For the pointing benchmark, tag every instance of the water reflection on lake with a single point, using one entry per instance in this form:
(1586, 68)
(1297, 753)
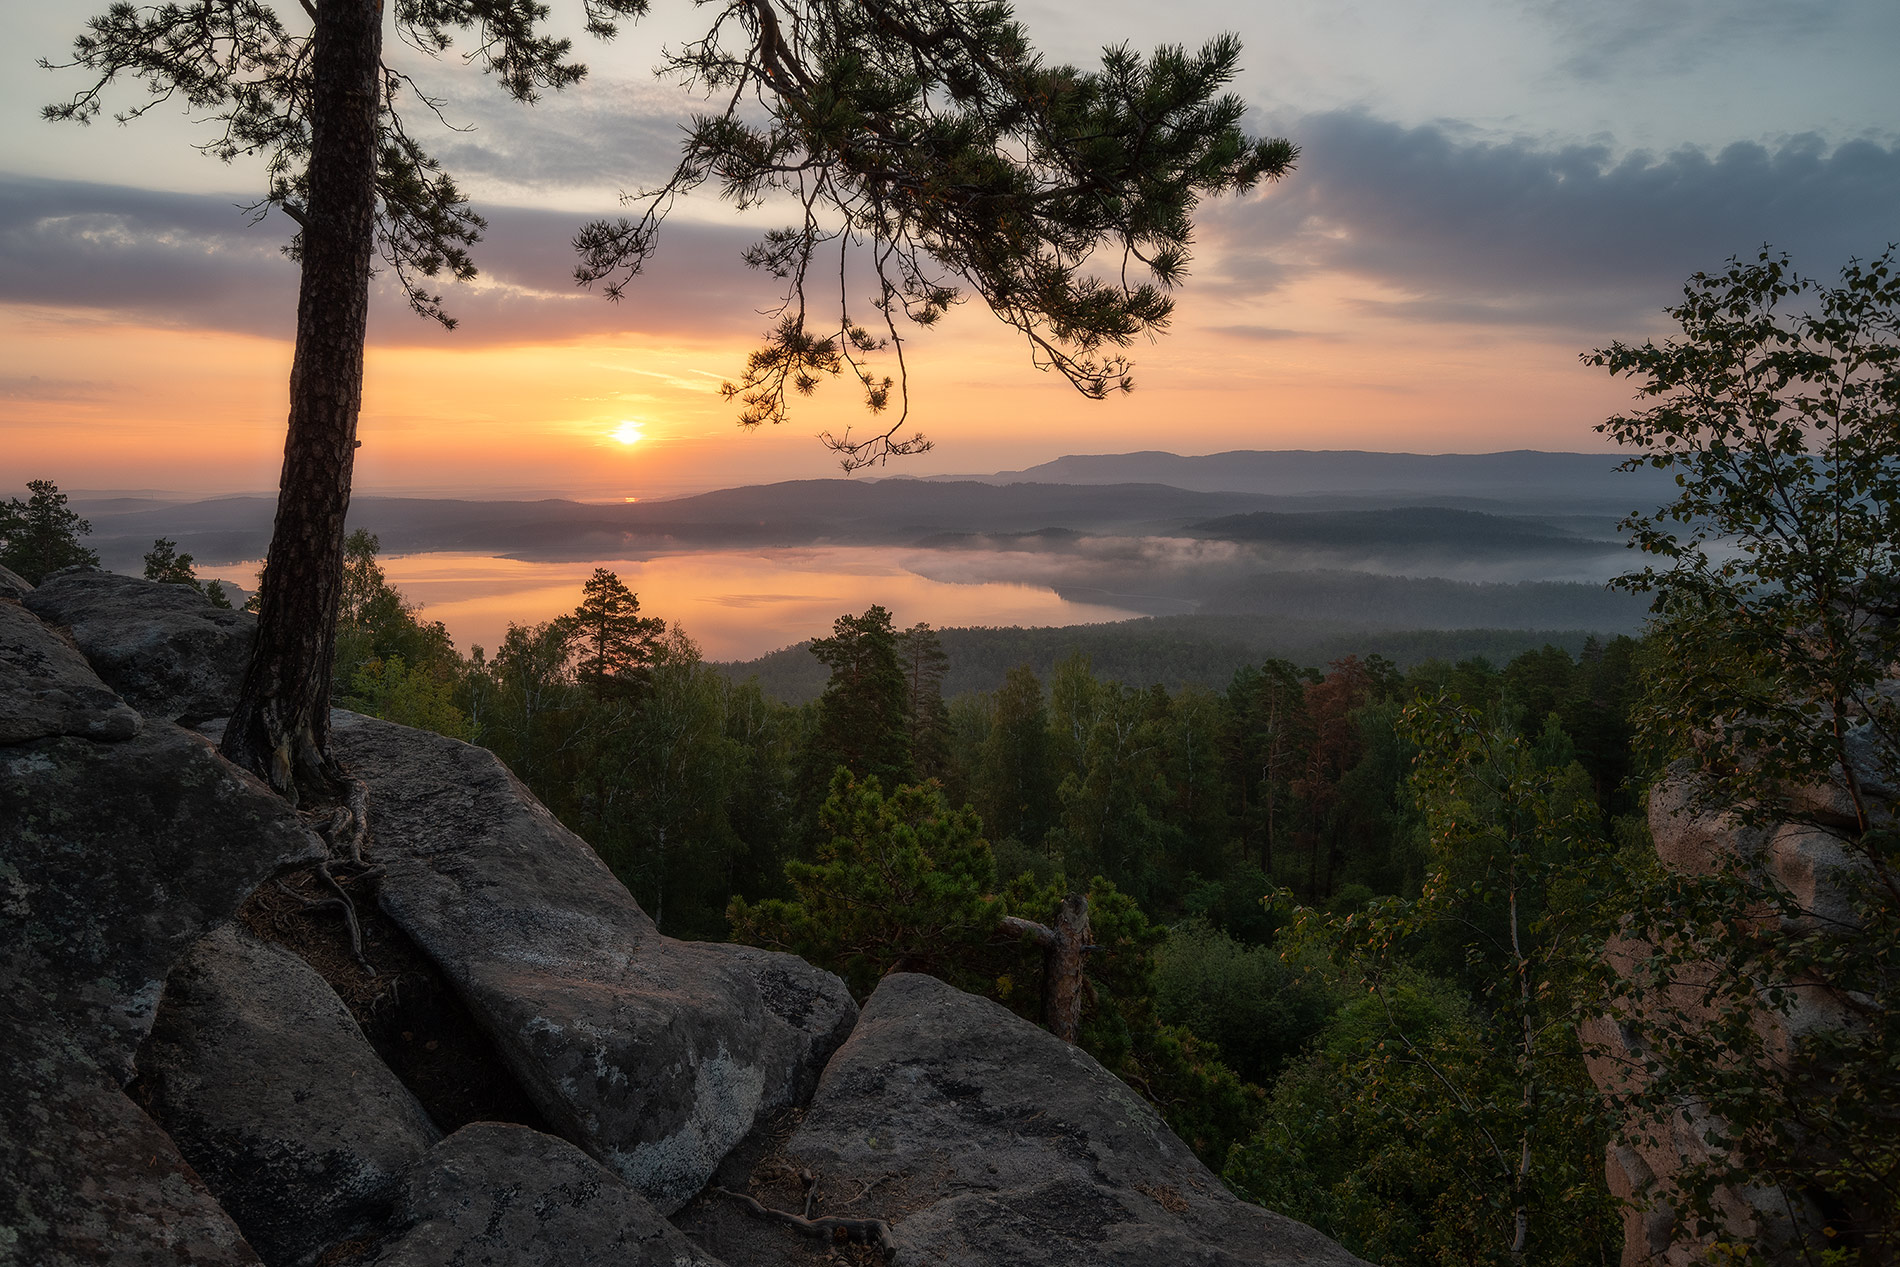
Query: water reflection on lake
(736, 604)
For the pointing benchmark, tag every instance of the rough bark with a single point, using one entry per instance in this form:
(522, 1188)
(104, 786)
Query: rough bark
(280, 726)
(1063, 998)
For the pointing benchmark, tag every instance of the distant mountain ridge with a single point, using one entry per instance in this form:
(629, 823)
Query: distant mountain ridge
(1510, 475)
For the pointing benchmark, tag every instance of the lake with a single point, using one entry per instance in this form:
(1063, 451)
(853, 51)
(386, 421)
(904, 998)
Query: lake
(736, 604)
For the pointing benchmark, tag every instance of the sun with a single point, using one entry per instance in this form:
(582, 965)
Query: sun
(628, 433)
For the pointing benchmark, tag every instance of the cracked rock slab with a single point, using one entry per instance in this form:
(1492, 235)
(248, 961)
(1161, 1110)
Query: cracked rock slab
(262, 1077)
(163, 647)
(496, 1193)
(983, 1141)
(47, 688)
(13, 585)
(85, 1177)
(657, 1056)
(115, 858)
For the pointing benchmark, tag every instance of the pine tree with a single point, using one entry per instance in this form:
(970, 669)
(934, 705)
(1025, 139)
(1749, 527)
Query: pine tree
(863, 716)
(165, 565)
(39, 536)
(1016, 789)
(1267, 747)
(924, 661)
(927, 142)
(615, 642)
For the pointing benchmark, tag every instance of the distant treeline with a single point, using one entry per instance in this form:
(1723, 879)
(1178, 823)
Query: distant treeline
(1374, 602)
(1173, 651)
(1426, 527)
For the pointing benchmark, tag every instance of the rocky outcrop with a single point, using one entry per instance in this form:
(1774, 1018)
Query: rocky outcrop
(121, 843)
(164, 648)
(263, 1078)
(13, 585)
(1811, 860)
(1807, 856)
(656, 1055)
(984, 1140)
(85, 1178)
(47, 688)
(115, 857)
(504, 1194)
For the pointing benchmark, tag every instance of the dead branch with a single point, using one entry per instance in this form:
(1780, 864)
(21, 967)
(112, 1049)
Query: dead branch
(831, 1227)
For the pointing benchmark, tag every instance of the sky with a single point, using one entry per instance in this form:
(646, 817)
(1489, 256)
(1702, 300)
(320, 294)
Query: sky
(1486, 189)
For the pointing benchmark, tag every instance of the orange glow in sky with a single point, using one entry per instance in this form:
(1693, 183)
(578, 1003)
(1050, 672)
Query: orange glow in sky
(130, 406)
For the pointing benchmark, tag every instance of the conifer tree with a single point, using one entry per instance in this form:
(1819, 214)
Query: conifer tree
(926, 142)
(615, 642)
(1267, 747)
(1016, 788)
(165, 565)
(863, 716)
(39, 536)
(924, 661)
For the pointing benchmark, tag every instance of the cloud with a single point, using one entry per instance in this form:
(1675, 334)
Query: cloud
(33, 387)
(1436, 224)
(1521, 231)
(618, 133)
(1269, 334)
(173, 259)
(696, 287)
(200, 262)
(1611, 39)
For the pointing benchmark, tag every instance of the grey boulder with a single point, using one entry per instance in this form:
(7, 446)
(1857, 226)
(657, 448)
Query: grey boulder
(115, 858)
(47, 688)
(499, 1195)
(85, 1178)
(13, 585)
(262, 1077)
(983, 1140)
(163, 647)
(657, 1056)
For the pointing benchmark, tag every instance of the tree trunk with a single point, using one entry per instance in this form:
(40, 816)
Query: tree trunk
(1062, 999)
(1064, 949)
(280, 727)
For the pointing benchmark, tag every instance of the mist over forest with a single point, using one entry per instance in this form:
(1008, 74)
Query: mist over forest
(1228, 563)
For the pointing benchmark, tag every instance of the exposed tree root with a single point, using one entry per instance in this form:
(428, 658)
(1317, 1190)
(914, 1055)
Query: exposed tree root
(341, 902)
(872, 1232)
(346, 833)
